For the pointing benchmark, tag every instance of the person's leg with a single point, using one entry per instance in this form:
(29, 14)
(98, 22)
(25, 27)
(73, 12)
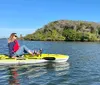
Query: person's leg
(22, 50)
(19, 52)
(26, 50)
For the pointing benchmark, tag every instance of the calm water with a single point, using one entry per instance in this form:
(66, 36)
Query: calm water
(83, 67)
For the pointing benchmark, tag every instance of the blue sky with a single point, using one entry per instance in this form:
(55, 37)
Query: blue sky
(26, 16)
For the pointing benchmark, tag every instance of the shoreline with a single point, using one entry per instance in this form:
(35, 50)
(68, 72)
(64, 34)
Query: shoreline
(53, 40)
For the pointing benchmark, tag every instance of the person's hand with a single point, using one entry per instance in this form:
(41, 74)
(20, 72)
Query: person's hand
(14, 57)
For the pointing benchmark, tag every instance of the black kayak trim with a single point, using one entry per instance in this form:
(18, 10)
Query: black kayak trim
(49, 58)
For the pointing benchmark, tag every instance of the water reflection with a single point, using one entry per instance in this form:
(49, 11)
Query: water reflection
(37, 74)
(57, 66)
(13, 79)
(48, 73)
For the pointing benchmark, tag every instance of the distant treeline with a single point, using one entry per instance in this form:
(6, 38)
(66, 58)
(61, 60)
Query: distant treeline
(67, 30)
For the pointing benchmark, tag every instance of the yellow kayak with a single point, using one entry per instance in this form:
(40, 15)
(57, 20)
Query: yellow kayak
(29, 59)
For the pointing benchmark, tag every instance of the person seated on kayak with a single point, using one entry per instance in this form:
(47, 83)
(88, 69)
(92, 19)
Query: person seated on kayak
(14, 47)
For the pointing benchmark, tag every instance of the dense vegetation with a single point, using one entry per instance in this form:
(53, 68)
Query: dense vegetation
(67, 30)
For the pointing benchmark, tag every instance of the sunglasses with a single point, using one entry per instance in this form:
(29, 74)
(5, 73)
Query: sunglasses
(15, 36)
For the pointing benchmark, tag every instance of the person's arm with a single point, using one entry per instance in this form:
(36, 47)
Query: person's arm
(10, 49)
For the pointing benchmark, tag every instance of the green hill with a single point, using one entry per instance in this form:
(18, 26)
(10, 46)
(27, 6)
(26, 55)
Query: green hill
(67, 30)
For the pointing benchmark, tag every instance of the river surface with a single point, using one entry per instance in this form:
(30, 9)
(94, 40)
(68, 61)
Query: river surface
(82, 68)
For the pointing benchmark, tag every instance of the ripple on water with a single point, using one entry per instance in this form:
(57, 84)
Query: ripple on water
(44, 74)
